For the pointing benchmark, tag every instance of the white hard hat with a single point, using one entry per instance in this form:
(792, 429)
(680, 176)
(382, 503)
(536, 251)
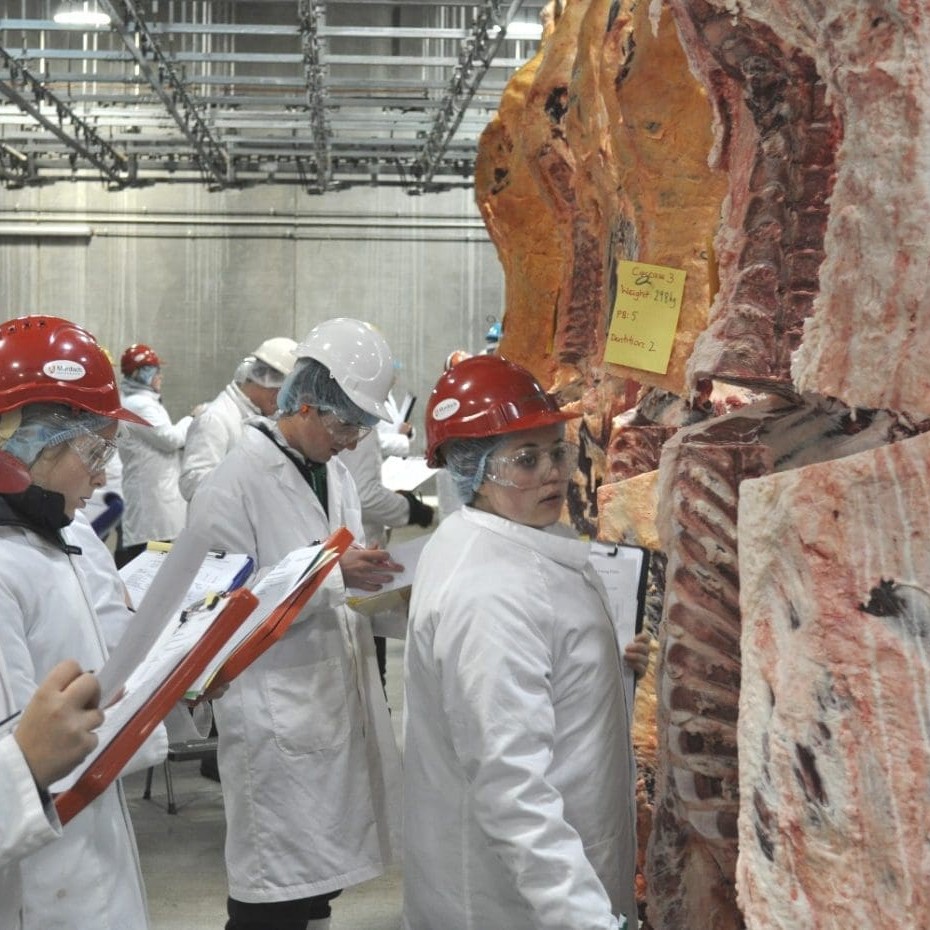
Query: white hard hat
(358, 357)
(278, 353)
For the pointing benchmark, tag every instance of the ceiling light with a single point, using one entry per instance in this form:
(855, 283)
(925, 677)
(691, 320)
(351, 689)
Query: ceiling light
(520, 30)
(81, 13)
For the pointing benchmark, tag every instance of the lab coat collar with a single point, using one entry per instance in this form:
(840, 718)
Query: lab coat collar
(556, 542)
(240, 399)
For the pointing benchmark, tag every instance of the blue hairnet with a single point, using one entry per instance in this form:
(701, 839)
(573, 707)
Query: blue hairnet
(466, 460)
(144, 375)
(311, 383)
(44, 425)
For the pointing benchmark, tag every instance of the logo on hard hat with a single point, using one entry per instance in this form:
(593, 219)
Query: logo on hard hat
(63, 370)
(446, 408)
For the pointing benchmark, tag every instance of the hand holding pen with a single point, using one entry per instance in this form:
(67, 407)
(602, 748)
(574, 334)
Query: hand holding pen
(55, 730)
(369, 568)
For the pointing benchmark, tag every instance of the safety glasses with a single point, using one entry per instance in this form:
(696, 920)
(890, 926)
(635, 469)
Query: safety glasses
(339, 430)
(532, 467)
(93, 450)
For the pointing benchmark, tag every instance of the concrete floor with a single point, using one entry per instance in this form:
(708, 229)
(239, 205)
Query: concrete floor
(182, 854)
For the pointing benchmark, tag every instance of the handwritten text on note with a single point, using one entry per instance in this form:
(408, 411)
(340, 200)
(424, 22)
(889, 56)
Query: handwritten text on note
(645, 316)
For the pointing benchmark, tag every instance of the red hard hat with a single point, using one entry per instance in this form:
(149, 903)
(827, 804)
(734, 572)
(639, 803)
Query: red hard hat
(137, 356)
(14, 476)
(486, 395)
(48, 360)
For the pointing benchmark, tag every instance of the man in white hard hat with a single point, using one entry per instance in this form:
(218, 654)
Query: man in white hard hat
(310, 769)
(252, 392)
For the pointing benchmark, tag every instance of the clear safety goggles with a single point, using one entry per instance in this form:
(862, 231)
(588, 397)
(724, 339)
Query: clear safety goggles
(341, 431)
(93, 450)
(533, 467)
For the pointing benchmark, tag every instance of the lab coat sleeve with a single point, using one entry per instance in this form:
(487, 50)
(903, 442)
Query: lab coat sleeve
(394, 444)
(162, 434)
(496, 664)
(204, 447)
(25, 824)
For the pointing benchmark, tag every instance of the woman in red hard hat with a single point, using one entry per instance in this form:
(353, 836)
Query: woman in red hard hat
(518, 768)
(59, 410)
(151, 458)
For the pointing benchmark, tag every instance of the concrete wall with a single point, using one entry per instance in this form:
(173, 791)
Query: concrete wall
(204, 277)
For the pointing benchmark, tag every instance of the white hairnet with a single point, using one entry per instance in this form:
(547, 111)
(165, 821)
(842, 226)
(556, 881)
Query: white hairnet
(43, 425)
(241, 374)
(311, 383)
(264, 375)
(465, 460)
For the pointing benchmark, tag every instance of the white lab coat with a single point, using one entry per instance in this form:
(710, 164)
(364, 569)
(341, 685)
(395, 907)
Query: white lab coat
(108, 593)
(518, 766)
(391, 441)
(151, 468)
(306, 751)
(381, 507)
(25, 825)
(212, 434)
(90, 878)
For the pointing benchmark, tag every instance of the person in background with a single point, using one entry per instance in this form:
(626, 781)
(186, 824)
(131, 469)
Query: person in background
(52, 735)
(59, 409)
(394, 435)
(382, 508)
(252, 392)
(492, 338)
(105, 508)
(151, 457)
(215, 430)
(518, 765)
(307, 755)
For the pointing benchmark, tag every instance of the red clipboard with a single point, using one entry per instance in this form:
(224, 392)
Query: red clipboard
(276, 624)
(106, 767)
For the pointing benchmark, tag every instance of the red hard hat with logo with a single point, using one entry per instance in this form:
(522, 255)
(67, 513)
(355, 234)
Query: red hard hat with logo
(486, 395)
(137, 356)
(48, 360)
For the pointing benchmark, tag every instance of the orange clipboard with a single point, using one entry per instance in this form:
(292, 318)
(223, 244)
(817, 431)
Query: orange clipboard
(276, 624)
(104, 770)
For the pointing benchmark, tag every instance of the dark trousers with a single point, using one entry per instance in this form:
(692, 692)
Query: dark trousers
(381, 654)
(278, 915)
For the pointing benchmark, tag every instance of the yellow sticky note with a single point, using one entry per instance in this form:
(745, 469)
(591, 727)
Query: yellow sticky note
(645, 316)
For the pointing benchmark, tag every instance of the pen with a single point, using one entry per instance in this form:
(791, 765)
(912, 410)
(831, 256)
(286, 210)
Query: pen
(208, 602)
(6, 720)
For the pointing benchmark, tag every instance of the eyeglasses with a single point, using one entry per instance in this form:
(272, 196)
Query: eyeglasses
(532, 467)
(339, 430)
(93, 450)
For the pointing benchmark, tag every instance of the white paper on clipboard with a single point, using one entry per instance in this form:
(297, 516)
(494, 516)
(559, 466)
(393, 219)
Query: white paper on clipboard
(405, 474)
(164, 597)
(623, 572)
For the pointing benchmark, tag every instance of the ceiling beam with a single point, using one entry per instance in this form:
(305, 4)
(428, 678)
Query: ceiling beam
(84, 141)
(128, 20)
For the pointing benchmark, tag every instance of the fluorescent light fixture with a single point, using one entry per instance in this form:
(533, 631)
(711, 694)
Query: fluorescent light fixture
(520, 30)
(34, 230)
(81, 13)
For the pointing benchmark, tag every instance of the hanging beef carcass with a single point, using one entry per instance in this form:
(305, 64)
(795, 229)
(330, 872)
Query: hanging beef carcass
(777, 137)
(691, 864)
(834, 722)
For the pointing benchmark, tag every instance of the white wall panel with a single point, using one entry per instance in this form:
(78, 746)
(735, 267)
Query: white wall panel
(204, 277)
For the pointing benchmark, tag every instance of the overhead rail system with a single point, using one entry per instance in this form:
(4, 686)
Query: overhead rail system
(232, 94)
